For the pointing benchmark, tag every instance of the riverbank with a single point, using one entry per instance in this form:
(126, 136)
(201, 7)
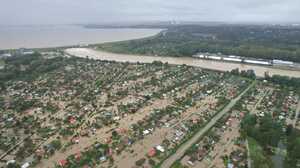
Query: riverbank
(206, 64)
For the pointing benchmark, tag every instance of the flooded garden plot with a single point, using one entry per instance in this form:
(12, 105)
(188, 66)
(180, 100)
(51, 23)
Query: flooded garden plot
(222, 146)
(225, 146)
(281, 103)
(56, 104)
(165, 129)
(107, 118)
(86, 112)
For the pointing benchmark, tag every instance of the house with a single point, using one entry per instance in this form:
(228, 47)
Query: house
(86, 166)
(110, 152)
(77, 156)
(72, 120)
(121, 130)
(10, 162)
(191, 163)
(39, 152)
(152, 152)
(146, 132)
(116, 118)
(160, 148)
(75, 140)
(25, 165)
(102, 158)
(62, 163)
(84, 133)
(201, 154)
(230, 165)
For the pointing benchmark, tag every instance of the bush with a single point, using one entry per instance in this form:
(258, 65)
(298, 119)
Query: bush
(56, 144)
(140, 162)
(151, 162)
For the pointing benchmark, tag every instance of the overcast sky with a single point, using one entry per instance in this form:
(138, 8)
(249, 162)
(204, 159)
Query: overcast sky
(14, 12)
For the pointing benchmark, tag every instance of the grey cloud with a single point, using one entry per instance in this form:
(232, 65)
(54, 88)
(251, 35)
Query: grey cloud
(97, 11)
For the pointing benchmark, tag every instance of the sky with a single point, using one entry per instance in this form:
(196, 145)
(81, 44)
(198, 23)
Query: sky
(23, 12)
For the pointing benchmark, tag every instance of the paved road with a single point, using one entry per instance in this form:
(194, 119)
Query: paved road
(180, 152)
(297, 114)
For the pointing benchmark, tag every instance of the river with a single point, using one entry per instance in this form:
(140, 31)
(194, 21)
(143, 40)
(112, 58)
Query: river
(207, 64)
(13, 37)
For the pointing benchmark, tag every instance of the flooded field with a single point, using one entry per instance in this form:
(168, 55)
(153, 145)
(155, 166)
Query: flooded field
(208, 64)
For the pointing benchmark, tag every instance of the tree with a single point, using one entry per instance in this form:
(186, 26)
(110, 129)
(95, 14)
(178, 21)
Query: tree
(151, 162)
(13, 165)
(248, 123)
(267, 131)
(56, 144)
(293, 149)
(140, 162)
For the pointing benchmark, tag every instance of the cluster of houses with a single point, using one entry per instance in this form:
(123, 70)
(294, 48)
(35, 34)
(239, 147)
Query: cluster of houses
(78, 100)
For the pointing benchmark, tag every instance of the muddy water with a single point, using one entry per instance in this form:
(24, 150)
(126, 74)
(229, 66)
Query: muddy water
(208, 64)
(12, 37)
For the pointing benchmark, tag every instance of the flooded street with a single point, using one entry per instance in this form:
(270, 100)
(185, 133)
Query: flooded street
(207, 64)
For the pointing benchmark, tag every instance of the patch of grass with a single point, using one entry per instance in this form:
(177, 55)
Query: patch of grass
(258, 156)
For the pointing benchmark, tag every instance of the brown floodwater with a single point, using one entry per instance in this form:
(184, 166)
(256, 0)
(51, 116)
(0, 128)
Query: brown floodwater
(207, 64)
(13, 37)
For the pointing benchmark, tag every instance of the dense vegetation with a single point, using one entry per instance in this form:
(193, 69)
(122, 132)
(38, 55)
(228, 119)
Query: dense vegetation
(268, 42)
(266, 130)
(263, 134)
(293, 148)
(27, 67)
(258, 155)
(285, 81)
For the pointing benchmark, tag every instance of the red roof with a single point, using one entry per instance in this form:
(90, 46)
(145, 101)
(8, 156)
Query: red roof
(110, 152)
(72, 120)
(121, 130)
(78, 156)
(242, 114)
(152, 152)
(63, 163)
